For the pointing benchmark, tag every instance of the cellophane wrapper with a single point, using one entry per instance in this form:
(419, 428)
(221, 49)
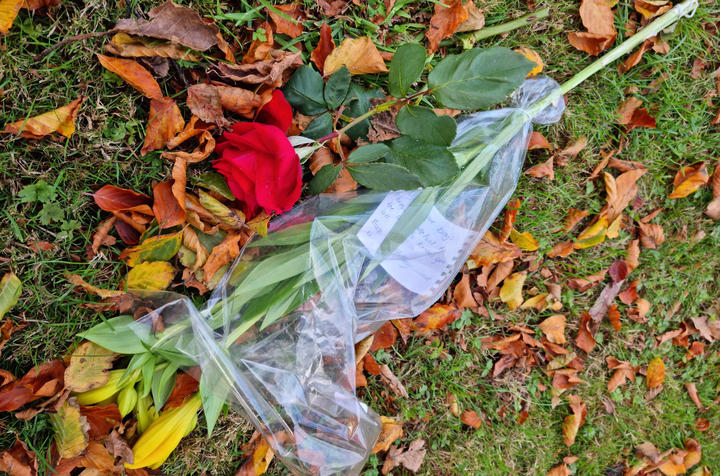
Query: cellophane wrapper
(294, 377)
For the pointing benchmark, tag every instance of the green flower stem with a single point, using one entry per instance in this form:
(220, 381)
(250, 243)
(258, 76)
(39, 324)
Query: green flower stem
(517, 120)
(469, 39)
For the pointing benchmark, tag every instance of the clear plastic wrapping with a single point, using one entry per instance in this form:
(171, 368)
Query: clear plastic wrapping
(276, 339)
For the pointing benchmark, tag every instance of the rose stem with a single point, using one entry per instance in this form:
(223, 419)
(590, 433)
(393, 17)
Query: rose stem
(470, 38)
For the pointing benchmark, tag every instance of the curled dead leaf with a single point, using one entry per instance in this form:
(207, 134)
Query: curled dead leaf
(61, 120)
(359, 55)
(689, 180)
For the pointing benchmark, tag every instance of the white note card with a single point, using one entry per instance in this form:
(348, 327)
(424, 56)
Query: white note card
(427, 256)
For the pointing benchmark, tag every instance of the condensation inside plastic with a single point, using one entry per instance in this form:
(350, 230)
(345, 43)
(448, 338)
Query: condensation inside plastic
(293, 377)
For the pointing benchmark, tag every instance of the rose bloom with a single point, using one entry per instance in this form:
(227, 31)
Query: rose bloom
(259, 163)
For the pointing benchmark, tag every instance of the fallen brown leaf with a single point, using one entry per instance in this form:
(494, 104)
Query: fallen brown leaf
(574, 421)
(471, 418)
(651, 235)
(692, 391)
(393, 383)
(585, 339)
(542, 170)
(44, 380)
(131, 46)
(134, 74)
(554, 328)
(164, 123)
(655, 373)
(411, 459)
(358, 55)
(390, 432)
(272, 72)
(19, 460)
(538, 141)
(284, 26)
(689, 179)
(324, 47)
(445, 21)
(166, 208)
(7, 329)
(632, 115)
(623, 371)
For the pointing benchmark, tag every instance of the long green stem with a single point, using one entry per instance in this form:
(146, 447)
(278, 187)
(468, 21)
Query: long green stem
(517, 120)
(469, 39)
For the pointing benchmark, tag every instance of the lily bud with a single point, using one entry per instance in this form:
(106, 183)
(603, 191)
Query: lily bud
(126, 400)
(107, 391)
(164, 434)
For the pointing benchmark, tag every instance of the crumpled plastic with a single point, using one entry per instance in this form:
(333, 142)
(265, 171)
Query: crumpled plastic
(294, 379)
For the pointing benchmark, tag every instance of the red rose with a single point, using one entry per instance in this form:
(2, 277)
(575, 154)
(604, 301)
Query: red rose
(277, 112)
(261, 167)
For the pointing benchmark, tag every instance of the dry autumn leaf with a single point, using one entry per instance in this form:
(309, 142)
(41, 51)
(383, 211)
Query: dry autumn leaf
(621, 191)
(113, 199)
(492, 250)
(689, 180)
(650, 9)
(262, 456)
(651, 235)
(154, 275)
(410, 458)
(597, 16)
(511, 291)
(471, 418)
(272, 72)
(89, 367)
(655, 373)
(166, 208)
(623, 371)
(324, 47)
(593, 235)
(538, 141)
(292, 27)
(585, 339)
(574, 421)
(76, 280)
(437, 317)
(543, 170)
(632, 115)
(222, 254)
(164, 123)
(359, 55)
(390, 432)
(524, 241)
(554, 328)
(134, 74)
(126, 45)
(44, 380)
(61, 120)
(70, 428)
(445, 21)
(19, 460)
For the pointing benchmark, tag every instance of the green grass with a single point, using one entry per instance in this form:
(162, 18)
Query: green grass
(106, 149)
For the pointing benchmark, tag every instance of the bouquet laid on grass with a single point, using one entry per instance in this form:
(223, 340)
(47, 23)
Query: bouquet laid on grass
(276, 339)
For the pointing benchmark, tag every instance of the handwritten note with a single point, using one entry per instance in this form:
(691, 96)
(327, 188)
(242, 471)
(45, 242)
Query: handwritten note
(427, 256)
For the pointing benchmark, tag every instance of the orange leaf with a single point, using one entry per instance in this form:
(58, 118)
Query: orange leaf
(614, 317)
(390, 432)
(633, 255)
(635, 58)
(621, 191)
(8, 11)
(574, 217)
(323, 48)
(632, 115)
(185, 385)
(597, 17)
(260, 49)
(438, 316)
(511, 210)
(554, 328)
(61, 120)
(491, 250)
(716, 173)
(689, 179)
(650, 9)
(538, 141)
(651, 235)
(359, 55)
(591, 43)
(471, 418)
(384, 338)
(164, 123)
(18, 460)
(134, 74)
(542, 170)
(44, 380)
(585, 339)
(561, 250)
(7, 329)
(655, 373)
(574, 148)
(76, 280)
(623, 371)
(283, 25)
(573, 422)
(166, 208)
(462, 294)
(221, 255)
(262, 456)
(114, 199)
(444, 22)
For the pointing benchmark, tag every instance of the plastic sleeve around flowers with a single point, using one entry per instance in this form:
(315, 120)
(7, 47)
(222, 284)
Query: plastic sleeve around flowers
(276, 338)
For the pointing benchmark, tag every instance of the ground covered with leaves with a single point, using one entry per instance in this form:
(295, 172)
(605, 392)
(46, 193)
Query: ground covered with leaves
(581, 336)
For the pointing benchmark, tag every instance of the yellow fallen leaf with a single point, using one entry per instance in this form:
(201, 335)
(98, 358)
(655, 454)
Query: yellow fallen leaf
(655, 373)
(61, 120)
(155, 275)
(573, 422)
(70, 429)
(8, 11)
(89, 367)
(690, 179)
(592, 235)
(524, 241)
(511, 291)
(554, 328)
(359, 55)
(538, 302)
(76, 280)
(613, 230)
(390, 432)
(156, 248)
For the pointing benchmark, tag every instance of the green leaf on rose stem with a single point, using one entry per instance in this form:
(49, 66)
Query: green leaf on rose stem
(319, 127)
(336, 88)
(357, 103)
(368, 153)
(405, 68)
(117, 335)
(163, 383)
(215, 182)
(384, 177)
(304, 91)
(478, 78)
(423, 124)
(10, 290)
(432, 164)
(324, 178)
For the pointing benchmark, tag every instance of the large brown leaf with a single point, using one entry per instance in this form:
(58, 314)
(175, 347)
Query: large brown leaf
(260, 48)
(597, 17)
(114, 199)
(178, 24)
(574, 421)
(134, 74)
(632, 115)
(444, 22)
(293, 28)
(44, 380)
(164, 123)
(585, 339)
(19, 460)
(61, 120)
(101, 419)
(166, 207)
(203, 101)
(359, 55)
(324, 47)
(621, 191)
(591, 43)
(272, 72)
(126, 45)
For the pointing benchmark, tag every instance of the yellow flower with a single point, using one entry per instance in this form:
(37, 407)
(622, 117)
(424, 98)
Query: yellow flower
(164, 434)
